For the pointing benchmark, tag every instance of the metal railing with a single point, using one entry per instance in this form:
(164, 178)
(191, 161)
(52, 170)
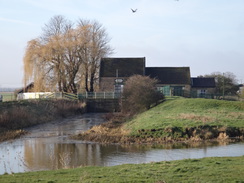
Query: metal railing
(99, 95)
(109, 95)
(80, 96)
(65, 95)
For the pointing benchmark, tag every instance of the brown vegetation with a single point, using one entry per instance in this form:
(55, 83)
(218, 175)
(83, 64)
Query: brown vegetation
(109, 132)
(113, 132)
(192, 116)
(66, 55)
(14, 116)
(12, 134)
(139, 94)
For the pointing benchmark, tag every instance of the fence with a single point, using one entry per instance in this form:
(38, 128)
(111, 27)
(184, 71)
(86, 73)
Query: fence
(9, 96)
(208, 96)
(65, 95)
(85, 95)
(99, 95)
(80, 96)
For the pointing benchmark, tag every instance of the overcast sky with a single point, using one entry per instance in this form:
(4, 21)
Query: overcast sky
(206, 35)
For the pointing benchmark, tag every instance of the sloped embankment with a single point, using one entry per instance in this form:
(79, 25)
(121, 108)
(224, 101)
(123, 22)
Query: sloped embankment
(175, 120)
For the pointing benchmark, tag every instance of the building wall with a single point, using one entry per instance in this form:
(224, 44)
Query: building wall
(203, 92)
(107, 84)
(207, 90)
(242, 90)
(103, 105)
(184, 89)
(187, 88)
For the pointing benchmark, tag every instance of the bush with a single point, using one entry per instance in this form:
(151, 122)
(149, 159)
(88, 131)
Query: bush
(140, 94)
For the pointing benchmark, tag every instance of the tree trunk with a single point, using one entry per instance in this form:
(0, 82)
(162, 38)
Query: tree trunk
(92, 82)
(86, 82)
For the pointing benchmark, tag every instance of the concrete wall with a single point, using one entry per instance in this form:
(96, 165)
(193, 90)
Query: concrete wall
(106, 84)
(103, 105)
(207, 90)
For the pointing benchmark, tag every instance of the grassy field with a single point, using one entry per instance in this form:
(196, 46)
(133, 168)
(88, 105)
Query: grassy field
(190, 112)
(226, 169)
(8, 96)
(182, 114)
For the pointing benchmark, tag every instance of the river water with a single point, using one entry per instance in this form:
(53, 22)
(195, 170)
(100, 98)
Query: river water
(48, 147)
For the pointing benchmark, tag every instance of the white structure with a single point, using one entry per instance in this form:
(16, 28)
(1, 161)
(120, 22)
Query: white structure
(33, 95)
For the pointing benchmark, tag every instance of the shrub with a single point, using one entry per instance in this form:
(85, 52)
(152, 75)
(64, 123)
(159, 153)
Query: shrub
(140, 94)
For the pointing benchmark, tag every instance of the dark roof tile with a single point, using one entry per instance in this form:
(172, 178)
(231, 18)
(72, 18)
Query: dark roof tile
(170, 75)
(125, 67)
(203, 82)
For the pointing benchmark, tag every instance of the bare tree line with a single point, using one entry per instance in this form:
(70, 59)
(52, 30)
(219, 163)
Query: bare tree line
(66, 57)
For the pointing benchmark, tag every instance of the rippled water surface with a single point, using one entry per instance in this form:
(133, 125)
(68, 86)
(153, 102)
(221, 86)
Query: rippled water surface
(48, 147)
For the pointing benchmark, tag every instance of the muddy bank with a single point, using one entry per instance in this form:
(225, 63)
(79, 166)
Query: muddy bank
(113, 132)
(14, 116)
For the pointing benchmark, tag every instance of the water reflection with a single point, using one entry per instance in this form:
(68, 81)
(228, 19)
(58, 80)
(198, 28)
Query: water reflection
(42, 156)
(144, 154)
(48, 147)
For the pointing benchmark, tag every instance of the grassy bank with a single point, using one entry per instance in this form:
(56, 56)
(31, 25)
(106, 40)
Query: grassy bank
(226, 169)
(176, 120)
(186, 118)
(16, 115)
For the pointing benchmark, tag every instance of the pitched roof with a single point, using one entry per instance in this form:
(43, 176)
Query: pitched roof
(124, 67)
(26, 89)
(203, 82)
(170, 75)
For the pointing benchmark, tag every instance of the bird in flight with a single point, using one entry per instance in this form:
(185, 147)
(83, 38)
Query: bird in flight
(133, 10)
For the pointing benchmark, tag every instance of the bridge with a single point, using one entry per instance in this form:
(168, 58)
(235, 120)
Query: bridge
(71, 96)
(101, 101)
(95, 101)
(99, 95)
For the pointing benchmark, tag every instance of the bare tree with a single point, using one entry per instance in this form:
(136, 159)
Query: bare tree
(45, 60)
(226, 83)
(65, 55)
(95, 47)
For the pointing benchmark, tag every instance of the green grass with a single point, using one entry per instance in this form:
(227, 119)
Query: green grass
(187, 113)
(226, 169)
(176, 119)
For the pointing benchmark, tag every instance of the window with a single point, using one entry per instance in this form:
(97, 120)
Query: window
(202, 92)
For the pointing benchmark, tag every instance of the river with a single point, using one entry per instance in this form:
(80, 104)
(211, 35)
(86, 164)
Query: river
(48, 147)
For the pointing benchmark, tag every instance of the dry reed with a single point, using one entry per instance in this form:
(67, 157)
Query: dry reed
(18, 115)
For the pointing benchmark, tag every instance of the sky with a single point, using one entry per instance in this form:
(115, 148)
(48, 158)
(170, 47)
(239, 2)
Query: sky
(205, 35)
